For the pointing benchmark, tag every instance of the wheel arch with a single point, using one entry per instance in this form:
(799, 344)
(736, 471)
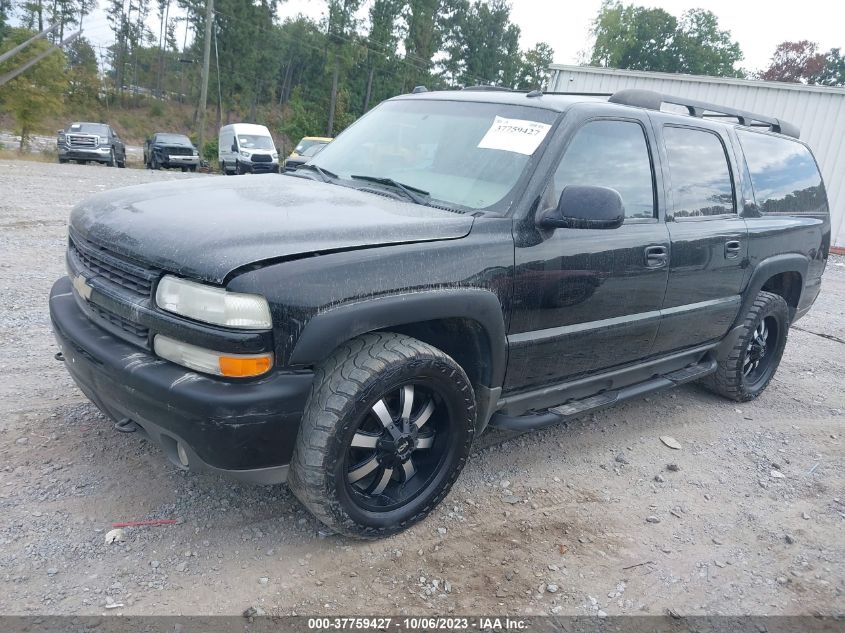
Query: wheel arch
(467, 324)
(782, 275)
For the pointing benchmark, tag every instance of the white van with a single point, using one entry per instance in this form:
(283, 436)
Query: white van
(247, 148)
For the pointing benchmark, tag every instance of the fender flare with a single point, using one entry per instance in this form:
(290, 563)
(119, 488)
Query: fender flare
(329, 329)
(766, 269)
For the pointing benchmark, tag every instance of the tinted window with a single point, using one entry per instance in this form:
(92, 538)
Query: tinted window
(699, 172)
(610, 154)
(783, 174)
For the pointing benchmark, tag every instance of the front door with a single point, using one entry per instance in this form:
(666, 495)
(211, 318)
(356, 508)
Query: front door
(589, 299)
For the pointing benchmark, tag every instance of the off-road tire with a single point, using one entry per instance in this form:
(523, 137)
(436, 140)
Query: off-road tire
(728, 380)
(345, 386)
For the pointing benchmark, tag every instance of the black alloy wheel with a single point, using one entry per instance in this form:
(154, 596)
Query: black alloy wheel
(399, 445)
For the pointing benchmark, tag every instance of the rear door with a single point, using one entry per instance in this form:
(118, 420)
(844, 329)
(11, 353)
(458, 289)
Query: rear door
(588, 299)
(709, 238)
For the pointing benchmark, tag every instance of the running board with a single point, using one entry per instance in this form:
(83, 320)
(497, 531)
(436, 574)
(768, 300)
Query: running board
(568, 410)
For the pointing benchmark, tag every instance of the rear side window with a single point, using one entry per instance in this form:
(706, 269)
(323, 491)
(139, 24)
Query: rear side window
(610, 154)
(784, 174)
(699, 173)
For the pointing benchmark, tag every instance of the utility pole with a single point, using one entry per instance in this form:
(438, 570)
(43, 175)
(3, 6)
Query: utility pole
(206, 62)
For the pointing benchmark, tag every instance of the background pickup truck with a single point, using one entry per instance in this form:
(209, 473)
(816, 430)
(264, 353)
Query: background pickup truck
(170, 150)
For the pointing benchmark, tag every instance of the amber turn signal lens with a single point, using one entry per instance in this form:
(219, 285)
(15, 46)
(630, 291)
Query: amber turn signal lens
(245, 366)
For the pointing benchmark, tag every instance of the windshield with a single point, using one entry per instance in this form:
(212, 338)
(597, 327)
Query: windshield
(313, 150)
(254, 141)
(179, 139)
(90, 128)
(465, 154)
(305, 144)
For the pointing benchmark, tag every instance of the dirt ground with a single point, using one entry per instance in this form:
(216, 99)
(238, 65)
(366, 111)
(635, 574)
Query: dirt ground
(587, 518)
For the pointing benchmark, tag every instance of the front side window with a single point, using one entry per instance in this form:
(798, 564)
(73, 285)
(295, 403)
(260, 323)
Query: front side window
(699, 173)
(784, 174)
(609, 154)
(464, 155)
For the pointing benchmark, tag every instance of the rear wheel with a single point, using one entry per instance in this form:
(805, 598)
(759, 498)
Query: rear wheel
(386, 431)
(749, 367)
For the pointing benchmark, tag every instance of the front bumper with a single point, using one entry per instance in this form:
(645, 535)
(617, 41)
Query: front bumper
(245, 429)
(178, 160)
(102, 154)
(260, 168)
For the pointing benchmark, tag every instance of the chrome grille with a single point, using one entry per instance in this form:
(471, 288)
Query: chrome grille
(75, 140)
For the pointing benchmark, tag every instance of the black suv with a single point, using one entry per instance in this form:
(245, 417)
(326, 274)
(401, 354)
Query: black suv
(453, 260)
(94, 142)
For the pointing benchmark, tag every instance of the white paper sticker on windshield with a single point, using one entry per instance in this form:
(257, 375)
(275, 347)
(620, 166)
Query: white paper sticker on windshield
(514, 135)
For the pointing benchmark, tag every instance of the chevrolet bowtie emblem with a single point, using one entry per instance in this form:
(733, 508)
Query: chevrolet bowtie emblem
(82, 287)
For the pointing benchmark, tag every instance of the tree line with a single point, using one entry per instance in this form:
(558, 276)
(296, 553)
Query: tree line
(305, 76)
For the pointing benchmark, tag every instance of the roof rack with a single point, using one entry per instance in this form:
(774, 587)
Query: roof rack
(654, 100)
(490, 88)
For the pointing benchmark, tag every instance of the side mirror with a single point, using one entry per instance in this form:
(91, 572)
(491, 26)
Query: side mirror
(60, 132)
(234, 147)
(585, 207)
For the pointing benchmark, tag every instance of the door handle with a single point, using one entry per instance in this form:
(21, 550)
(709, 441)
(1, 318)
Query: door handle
(656, 256)
(732, 249)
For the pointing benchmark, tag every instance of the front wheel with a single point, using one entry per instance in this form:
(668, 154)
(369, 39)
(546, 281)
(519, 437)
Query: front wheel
(385, 433)
(751, 364)
(112, 162)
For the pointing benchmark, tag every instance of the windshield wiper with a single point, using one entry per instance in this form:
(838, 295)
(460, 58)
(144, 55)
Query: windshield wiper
(325, 174)
(412, 193)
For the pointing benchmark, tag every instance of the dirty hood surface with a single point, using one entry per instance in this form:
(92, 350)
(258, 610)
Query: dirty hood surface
(205, 228)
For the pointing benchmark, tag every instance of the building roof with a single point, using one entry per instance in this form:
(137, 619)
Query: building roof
(755, 83)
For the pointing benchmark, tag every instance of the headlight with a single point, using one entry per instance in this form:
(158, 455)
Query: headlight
(213, 305)
(245, 154)
(210, 362)
(276, 155)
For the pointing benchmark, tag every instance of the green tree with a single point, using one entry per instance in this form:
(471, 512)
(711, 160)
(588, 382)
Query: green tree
(534, 67)
(37, 93)
(5, 12)
(639, 38)
(833, 71)
(702, 48)
(302, 119)
(632, 37)
(425, 25)
(482, 45)
(83, 74)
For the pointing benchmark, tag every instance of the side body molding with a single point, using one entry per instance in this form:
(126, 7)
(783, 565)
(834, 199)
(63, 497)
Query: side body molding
(326, 330)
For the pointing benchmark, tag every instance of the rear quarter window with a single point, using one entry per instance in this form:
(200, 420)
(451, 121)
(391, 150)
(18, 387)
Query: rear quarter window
(784, 175)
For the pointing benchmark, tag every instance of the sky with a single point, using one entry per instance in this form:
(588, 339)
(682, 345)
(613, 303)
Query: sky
(758, 25)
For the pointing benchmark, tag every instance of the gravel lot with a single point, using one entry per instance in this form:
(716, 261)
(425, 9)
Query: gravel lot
(594, 517)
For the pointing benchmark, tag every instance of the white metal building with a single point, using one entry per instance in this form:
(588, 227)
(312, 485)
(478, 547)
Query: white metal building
(819, 112)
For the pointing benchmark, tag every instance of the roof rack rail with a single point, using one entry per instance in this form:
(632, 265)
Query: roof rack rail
(654, 100)
(492, 88)
(578, 94)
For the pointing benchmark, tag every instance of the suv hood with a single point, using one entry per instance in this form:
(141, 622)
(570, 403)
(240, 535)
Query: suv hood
(206, 228)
